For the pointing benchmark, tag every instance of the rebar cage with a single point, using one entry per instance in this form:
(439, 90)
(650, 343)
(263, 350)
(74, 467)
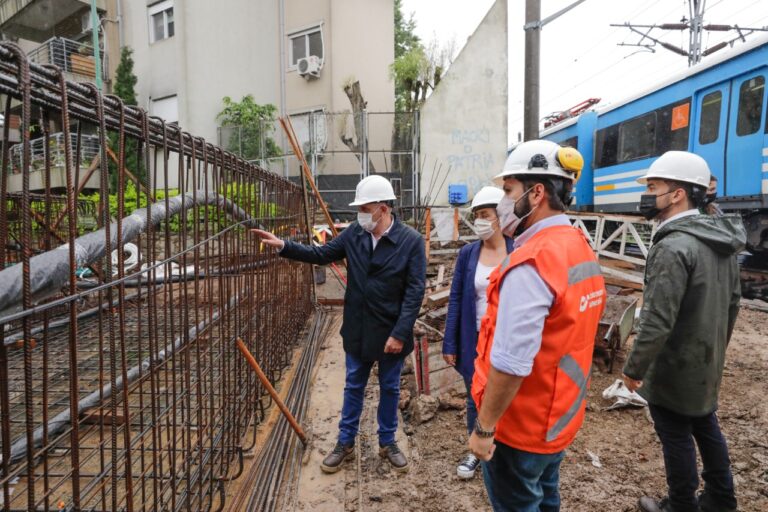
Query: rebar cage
(124, 283)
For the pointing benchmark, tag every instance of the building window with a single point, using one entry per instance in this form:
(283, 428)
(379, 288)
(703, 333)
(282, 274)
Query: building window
(166, 108)
(750, 106)
(709, 126)
(304, 44)
(161, 25)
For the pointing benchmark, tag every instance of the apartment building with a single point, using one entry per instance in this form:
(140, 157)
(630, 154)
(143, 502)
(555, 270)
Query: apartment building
(59, 32)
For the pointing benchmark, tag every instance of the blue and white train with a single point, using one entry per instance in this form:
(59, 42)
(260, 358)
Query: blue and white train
(717, 109)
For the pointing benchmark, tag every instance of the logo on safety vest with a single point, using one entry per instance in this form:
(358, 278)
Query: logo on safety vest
(590, 300)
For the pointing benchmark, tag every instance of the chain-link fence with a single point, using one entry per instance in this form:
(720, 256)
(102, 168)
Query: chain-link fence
(340, 148)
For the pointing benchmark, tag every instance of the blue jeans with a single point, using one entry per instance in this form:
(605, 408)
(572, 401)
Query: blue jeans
(677, 434)
(519, 481)
(358, 372)
(471, 407)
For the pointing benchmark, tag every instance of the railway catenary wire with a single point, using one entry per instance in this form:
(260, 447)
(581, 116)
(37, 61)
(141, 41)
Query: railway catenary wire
(171, 402)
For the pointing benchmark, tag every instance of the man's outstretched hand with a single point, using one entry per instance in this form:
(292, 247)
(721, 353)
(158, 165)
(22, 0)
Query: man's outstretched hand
(269, 239)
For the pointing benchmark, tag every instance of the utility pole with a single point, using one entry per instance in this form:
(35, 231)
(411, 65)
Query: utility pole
(532, 61)
(696, 28)
(95, 39)
(532, 27)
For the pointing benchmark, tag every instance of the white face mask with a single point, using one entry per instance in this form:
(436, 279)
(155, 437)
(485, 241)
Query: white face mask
(366, 221)
(508, 219)
(484, 228)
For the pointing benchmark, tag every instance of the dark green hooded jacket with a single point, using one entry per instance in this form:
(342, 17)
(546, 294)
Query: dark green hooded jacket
(690, 302)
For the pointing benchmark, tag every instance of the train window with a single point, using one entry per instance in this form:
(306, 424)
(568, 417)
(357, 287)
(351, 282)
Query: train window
(606, 144)
(571, 142)
(750, 106)
(673, 127)
(637, 137)
(709, 126)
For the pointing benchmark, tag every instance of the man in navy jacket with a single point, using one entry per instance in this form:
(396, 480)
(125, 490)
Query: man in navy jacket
(386, 271)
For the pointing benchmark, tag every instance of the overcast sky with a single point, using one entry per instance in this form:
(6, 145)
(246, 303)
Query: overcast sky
(579, 51)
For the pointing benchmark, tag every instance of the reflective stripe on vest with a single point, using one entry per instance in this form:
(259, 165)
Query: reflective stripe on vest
(571, 368)
(582, 271)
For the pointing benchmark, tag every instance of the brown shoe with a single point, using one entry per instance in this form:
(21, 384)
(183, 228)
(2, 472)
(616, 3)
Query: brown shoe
(397, 458)
(332, 462)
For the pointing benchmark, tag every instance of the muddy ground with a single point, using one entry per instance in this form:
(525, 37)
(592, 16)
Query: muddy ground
(623, 440)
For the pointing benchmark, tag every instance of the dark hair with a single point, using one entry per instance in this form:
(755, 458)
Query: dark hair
(696, 194)
(712, 177)
(558, 190)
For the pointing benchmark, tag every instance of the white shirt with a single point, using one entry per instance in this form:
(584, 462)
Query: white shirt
(481, 286)
(524, 304)
(686, 213)
(375, 241)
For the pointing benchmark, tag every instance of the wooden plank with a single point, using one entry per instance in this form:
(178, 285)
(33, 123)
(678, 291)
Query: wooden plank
(622, 284)
(438, 313)
(455, 224)
(440, 274)
(439, 298)
(629, 277)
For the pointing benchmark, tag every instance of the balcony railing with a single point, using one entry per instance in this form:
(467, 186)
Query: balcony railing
(89, 148)
(70, 56)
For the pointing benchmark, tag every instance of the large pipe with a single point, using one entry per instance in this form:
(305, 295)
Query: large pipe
(49, 271)
(59, 422)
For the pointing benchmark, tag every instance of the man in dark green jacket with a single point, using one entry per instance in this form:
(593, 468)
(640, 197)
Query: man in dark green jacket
(690, 302)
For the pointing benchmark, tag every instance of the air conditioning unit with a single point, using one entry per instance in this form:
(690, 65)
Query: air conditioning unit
(309, 67)
(86, 23)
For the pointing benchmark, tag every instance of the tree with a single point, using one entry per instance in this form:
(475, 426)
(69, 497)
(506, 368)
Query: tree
(125, 89)
(252, 126)
(405, 31)
(125, 80)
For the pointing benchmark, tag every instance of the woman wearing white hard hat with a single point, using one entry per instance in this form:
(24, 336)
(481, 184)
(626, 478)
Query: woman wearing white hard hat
(467, 302)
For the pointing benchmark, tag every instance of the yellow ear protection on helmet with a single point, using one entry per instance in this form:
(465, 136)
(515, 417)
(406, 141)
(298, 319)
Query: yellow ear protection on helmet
(571, 161)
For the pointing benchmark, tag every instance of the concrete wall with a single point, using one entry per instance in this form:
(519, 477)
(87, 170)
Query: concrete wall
(464, 121)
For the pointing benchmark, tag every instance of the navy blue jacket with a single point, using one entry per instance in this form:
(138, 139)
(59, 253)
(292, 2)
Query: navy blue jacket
(461, 322)
(385, 287)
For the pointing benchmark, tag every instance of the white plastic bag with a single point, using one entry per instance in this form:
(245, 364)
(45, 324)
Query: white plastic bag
(623, 397)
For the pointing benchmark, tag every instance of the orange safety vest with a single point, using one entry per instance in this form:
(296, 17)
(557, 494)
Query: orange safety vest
(548, 409)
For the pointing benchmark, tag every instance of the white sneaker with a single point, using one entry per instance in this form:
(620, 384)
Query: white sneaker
(466, 469)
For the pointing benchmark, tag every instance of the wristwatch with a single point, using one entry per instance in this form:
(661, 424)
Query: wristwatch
(483, 433)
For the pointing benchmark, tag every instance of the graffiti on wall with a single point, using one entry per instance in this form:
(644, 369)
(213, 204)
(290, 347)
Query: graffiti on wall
(470, 156)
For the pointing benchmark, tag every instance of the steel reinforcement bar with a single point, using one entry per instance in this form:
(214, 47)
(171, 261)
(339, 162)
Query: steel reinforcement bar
(121, 387)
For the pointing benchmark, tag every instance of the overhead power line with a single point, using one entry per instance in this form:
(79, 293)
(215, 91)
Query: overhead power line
(695, 26)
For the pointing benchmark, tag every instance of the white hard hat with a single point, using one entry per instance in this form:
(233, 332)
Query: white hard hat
(487, 196)
(373, 189)
(679, 166)
(542, 158)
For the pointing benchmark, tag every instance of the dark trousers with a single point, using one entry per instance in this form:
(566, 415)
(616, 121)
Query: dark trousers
(358, 372)
(677, 434)
(471, 407)
(519, 481)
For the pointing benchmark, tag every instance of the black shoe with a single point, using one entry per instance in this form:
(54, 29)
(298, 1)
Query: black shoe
(397, 458)
(648, 504)
(332, 462)
(708, 503)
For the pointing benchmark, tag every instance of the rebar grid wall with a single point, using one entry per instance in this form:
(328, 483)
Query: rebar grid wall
(126, 391)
